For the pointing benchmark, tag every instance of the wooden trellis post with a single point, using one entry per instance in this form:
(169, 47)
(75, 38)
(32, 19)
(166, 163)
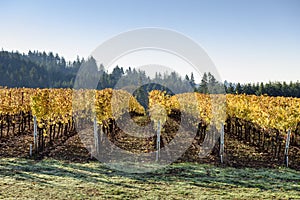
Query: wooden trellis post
(286, 151)
(96, 136)
(158, 141)
(35, 143)
(222, 143)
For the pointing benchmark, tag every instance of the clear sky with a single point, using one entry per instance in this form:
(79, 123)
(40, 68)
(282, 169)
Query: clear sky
(248, 40)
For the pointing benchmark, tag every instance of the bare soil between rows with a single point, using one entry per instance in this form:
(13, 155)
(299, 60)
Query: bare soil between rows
(237, 153)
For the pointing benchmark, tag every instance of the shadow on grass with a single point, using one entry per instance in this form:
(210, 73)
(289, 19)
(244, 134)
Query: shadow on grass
(205, 176)
(42, 172)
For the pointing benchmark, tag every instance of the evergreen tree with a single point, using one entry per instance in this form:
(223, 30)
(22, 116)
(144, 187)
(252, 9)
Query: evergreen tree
(192, 81)
(203, 85)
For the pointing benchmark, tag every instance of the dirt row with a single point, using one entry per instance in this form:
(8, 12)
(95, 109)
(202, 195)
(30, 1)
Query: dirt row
(237, 153)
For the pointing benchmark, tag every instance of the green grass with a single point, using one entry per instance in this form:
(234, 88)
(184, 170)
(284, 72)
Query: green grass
(52, 179)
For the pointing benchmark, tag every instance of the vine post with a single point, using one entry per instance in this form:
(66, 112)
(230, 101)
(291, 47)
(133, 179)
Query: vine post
(35, 144)
(96, 136)
(158, 141)
(222, 143)
(286, 151)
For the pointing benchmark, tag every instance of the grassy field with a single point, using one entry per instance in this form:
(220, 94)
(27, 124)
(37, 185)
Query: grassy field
(52, 179)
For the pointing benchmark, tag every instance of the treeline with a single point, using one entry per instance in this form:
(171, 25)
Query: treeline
(36, 69)
(291, 89)
(49, 70)
(209, 84)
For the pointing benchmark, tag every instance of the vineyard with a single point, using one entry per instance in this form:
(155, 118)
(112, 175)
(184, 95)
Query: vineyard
(55, 115)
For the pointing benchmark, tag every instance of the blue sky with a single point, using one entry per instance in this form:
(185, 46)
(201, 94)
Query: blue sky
(249, 41)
